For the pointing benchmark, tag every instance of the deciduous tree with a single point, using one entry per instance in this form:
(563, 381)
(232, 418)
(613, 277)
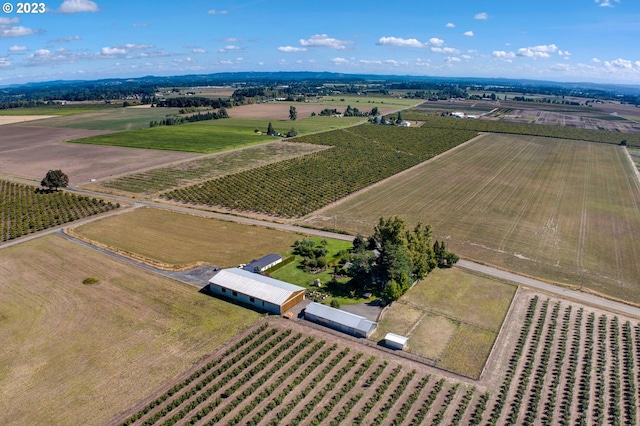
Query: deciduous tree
(55, 179)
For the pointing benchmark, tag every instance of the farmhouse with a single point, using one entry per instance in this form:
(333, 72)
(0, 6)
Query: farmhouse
(395, 341)
(264, 263)
(339, 320)
(256, 290)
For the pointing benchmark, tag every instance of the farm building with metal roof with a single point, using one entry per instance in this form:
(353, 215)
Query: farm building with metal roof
(339, 320)
(264, 263)
(256, 290)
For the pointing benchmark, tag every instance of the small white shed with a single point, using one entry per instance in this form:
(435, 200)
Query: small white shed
(395, 341)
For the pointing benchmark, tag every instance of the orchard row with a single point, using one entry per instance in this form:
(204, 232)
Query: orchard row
(25, 209)
(359, 157)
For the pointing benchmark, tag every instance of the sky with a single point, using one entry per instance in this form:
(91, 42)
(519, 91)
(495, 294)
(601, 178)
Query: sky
(555, 40)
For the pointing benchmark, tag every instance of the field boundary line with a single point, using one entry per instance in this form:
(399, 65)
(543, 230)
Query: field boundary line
(385, 180)
(633, 165)
(500, 331)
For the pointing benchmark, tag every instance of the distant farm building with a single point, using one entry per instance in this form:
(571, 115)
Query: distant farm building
(256, 290)
(457, 114)
(405, 124)
(395, 341)
(340, 320)
(264, 263)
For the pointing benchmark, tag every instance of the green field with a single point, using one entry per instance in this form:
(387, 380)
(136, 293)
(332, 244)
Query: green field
(175, 240)
(208, 136)
(75, 353)
(565, 211)
(366, 103)
(446, 311)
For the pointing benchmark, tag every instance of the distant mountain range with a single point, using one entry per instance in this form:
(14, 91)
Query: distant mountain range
(226, 78)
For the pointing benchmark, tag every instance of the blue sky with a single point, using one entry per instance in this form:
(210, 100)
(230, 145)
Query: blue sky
(558, 40)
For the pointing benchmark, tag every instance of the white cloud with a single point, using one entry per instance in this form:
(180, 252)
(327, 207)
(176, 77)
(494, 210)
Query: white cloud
(113, 51)
(19, 31)
(67, 39)
(140, 25)
(8, 21)
(619, 63)
(231, 40)
(434, 41)
(448, 50)
(482, 15)
(451, 59)
(217, 12)
(541, 51)
(606, 3)
(229, 48)
(292, 49)
(16, 48)
(397, 41)
(4, 62)
(198, 50)
(468, 34)
(450, 25)
(75, 6)
(323, 40)
(339, 61)
(503, 55)
(595, 60)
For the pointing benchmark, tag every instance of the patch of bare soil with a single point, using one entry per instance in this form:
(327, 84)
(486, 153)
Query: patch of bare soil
(28, 152)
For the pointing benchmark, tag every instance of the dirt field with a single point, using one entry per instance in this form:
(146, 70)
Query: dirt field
(280, 111)
(8, 119)
(75, 353)
(566, 211)
(28, 152)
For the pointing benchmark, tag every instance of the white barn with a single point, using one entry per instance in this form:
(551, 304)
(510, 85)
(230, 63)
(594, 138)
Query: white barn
(266, 293)
(395, 341)
(339, 320)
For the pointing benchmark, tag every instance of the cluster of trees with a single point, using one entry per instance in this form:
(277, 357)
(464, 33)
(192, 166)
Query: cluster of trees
(173, 120)
(194, 101)
(272, 132)
(314, 256)
(394, 257)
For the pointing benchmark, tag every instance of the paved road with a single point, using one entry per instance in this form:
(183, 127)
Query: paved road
(561, 292)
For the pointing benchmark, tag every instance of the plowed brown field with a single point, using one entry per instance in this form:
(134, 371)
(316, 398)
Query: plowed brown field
(28, 152)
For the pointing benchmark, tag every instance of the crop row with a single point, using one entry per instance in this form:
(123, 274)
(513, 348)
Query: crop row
(359, 157)
(25, 209)
(564, 132)
(570, 371)
(278, 377)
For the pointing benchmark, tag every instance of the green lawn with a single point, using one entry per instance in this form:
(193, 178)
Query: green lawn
(293, 274)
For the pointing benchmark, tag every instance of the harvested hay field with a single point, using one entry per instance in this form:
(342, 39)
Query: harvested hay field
(565, 211)
(446, 309)
(28, 152)
(81, 353)
(8, 119)
(175, 240)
